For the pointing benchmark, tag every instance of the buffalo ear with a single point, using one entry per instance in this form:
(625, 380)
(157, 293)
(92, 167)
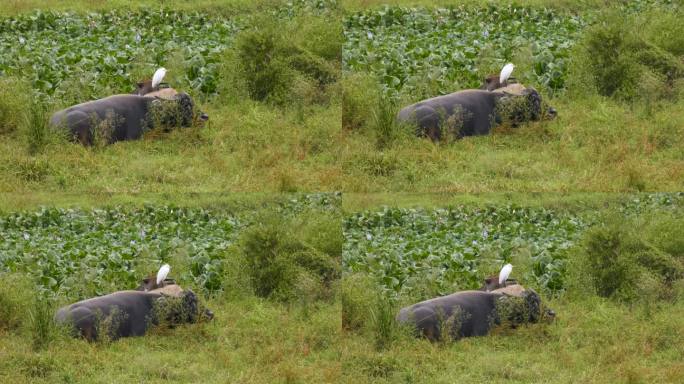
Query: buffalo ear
(189, 306)
(140, 84)
(534, 100)
(533, 304)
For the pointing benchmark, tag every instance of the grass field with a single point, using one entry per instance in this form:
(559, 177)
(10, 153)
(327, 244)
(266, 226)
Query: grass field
(602, 140)
(305, 217)
(52, 257)
(292, 141)
(594, 339)
(275, 134)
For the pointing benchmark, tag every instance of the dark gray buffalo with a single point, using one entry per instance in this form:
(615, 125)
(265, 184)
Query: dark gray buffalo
(474, 313)
(126, 117)
(474, 112)
(132, 313)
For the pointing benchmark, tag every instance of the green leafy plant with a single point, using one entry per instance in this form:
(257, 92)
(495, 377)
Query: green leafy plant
(406, 48)
(81, 253)
(439, 251)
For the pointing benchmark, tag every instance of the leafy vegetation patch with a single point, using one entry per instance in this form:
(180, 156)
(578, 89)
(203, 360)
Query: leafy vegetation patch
(51, 47)
(108, 52)
(428, 51)
(78, 253)
(452, 48)
(442, 250)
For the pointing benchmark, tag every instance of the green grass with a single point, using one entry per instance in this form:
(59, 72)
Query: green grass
(318, 128)
(593, 339)
(294, 142)
(54, 256)
(594, 145)
(244, 148)
(250, 340)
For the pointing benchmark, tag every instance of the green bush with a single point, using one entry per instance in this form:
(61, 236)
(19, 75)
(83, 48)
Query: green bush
(282, 266)
(267, 74)
(666, 234)
(323, 37)
(273, 63)
(324, 233)
(620, 263)
(630, 57)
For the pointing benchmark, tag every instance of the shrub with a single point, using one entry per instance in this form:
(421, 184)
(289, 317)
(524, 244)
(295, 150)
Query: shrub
(276, 62)
(322, 36)
(284, 267)
(621, 264)
(266, 74)
(666, 234)
(619, 60)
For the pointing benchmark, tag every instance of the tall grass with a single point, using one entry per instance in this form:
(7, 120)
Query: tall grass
(384, 121)
(13, 100)
(35, 126)
(41, 322)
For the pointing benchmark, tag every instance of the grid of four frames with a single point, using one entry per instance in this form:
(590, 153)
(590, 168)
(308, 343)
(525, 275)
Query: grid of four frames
(341, 191)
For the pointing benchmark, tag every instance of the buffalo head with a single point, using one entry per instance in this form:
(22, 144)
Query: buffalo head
(178, 305)
(518, 104)
(173, 109)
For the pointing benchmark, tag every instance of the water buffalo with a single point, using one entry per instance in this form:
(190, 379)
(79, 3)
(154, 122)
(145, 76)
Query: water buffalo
(131, 313)
(126, 117)
(474, 313)
(473, 112)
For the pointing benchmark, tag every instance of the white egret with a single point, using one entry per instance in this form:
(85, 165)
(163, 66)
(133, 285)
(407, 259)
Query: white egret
(163, 272)
(505, 272)
(506, 73)
(158, 77)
